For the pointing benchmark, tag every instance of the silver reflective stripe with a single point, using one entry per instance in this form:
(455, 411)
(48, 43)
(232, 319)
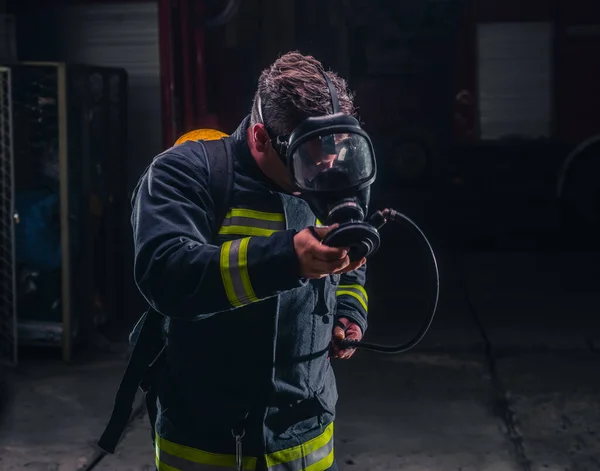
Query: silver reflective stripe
(181, 464)
(321, 455)
(236, 276)
(173, 457)
(234, 272)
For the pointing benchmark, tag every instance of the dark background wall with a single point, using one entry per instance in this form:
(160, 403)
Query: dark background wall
(409, 63)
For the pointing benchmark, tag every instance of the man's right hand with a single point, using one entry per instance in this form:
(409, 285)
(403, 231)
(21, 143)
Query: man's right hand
(318, 260)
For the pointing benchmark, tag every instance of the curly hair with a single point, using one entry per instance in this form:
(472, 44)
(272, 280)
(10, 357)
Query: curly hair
(293, 89)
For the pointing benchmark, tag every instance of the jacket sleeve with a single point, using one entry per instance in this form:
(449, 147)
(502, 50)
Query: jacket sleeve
(177, 269)
(352, 299)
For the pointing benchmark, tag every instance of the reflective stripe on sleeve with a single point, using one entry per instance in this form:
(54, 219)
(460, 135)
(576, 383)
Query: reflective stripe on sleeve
(173, 457)
(248, 222)
(234, 272)
(314, 455)
(356, 291)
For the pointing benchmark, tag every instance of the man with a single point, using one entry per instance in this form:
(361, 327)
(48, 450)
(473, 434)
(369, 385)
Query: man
(250, 317)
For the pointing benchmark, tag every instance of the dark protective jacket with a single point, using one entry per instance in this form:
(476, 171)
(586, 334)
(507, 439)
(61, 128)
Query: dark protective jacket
(247, 339)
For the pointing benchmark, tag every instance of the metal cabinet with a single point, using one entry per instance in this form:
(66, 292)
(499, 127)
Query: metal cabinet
(8, 293)
(66, 186)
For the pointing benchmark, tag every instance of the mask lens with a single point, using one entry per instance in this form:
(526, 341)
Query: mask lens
(333, 162)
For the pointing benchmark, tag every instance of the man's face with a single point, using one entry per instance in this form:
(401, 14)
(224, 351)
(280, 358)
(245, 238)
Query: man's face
(319, 157)
(261, 148)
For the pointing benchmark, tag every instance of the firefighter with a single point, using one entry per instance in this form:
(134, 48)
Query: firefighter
(247, 381)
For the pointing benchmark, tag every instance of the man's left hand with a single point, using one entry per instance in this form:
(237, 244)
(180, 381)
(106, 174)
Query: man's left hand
(350, 331)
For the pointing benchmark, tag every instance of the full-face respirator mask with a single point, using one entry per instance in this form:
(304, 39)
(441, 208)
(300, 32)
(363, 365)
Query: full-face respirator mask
(332, 163)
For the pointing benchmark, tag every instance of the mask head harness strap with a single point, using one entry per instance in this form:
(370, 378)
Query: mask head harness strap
(281, 143)
(335, 101)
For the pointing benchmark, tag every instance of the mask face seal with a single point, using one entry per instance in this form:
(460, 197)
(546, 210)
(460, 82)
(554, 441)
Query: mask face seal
(330, 155)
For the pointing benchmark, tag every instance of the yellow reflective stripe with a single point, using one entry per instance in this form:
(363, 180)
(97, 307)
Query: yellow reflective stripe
(249, 222)
(160, 466)
(356, 296)
(253, 214)
(356, 291)
(234, 272)
(187, 458)
(322, 465)
(300, 451)
(358, 288)
(225, 274)
(318, 223)
(314, 455)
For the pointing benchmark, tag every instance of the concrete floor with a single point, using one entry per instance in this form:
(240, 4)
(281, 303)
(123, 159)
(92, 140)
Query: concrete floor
(506, 380)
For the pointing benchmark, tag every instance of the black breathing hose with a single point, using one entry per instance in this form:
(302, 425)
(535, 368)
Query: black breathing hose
(378, 220)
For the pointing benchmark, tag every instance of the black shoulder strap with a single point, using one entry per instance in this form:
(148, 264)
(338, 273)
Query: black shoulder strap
(220, 161)
(149, 348)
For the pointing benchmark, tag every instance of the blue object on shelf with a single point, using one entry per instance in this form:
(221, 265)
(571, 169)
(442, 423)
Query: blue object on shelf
(38, 232)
